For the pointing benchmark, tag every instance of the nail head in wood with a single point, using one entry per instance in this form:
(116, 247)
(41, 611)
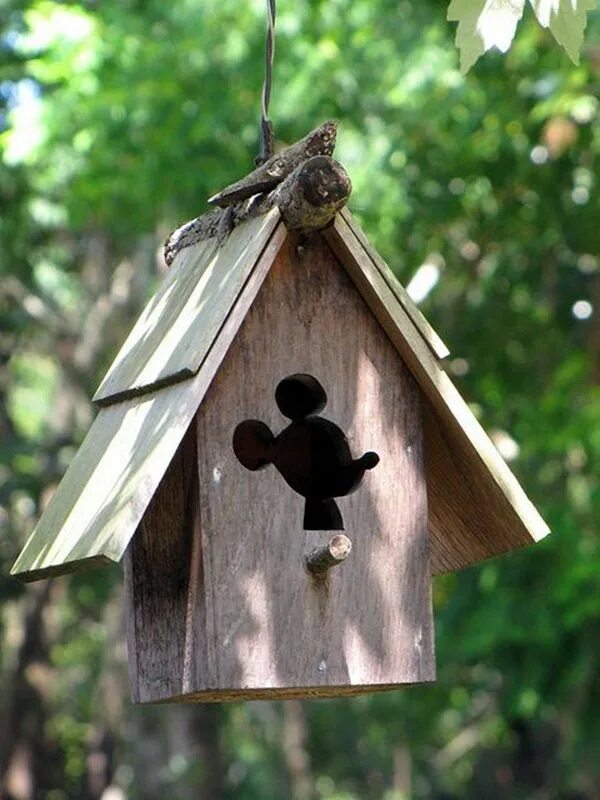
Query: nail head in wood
(334, 552)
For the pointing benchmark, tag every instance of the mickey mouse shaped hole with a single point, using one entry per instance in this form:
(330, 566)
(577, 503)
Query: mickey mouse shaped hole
(312, 454)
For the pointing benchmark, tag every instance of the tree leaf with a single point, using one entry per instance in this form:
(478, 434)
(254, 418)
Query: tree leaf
(566, 20)
(483, 24)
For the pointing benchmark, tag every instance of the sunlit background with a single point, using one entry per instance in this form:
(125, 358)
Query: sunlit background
(117, 121)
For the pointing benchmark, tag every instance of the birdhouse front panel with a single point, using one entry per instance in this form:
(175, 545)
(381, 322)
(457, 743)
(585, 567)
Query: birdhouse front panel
(311, 428)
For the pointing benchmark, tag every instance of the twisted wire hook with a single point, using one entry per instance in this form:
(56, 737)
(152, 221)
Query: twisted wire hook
(266, 128)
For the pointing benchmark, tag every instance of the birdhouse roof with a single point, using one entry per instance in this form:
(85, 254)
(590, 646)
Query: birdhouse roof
(150, 394)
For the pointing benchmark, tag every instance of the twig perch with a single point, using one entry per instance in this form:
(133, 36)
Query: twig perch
(330, 555)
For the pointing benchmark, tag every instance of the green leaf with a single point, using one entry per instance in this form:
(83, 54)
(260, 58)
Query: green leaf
(483, 24)
(566, 20)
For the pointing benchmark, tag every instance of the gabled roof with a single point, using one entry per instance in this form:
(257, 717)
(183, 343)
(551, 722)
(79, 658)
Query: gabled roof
(158, 380)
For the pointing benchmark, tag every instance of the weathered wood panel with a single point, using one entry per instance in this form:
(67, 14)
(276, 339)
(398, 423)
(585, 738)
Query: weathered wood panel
(279, 693)
(157, 574)
(180, 323)
(434, 342)
(484, 512)
(270, 628)
(102, 497)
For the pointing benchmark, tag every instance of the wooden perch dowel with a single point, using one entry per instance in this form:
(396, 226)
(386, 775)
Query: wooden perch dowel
(319, 142)
(323, 558)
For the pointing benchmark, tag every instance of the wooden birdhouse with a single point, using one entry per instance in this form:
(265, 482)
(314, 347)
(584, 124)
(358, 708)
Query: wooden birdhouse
(280, 459)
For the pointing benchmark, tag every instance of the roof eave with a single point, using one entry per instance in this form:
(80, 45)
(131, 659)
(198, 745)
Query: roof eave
(477, 507)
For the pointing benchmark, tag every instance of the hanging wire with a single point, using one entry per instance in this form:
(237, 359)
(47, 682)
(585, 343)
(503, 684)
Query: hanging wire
(266, 128)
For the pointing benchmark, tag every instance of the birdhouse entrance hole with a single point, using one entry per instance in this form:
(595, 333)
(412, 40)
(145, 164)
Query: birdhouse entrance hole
(312, 454)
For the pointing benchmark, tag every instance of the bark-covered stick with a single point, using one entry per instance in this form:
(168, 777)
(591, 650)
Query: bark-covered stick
(319, 142)
(334, 552)
(312, 195)
(308, 199)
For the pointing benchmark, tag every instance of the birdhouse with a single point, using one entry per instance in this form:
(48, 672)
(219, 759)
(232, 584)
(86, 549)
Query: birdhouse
(281, 460)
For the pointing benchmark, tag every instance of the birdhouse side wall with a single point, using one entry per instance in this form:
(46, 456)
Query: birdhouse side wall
(158, 576)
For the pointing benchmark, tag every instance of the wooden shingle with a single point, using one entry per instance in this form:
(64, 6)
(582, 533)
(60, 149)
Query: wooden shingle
(179, 324)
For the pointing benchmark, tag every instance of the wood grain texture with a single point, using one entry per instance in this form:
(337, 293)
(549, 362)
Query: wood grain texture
(434, 342)
(477, 507)
(104, 493)
(157, 574)
(310, 197)
(108, 485)
(180, 323)
(281, 693)
(268, 628)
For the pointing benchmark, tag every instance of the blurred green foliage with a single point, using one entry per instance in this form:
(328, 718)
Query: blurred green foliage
(117, 121)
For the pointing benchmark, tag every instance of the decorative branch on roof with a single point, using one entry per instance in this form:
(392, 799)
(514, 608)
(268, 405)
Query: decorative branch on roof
(320, 142)
(306, 184)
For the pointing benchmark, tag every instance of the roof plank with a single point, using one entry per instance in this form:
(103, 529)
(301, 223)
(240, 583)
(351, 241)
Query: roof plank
(180, 322)
(112, 478)
(477, 507)
(433, 340)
